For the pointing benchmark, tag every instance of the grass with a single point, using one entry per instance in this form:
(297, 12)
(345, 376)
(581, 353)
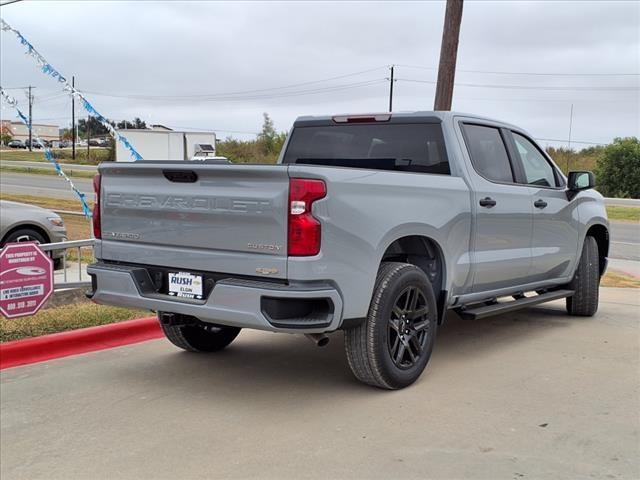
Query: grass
(48, 171)
(78, 228)
(45, 202)
(619, 212)
(619, 280)
(96, 156)
(63, 318)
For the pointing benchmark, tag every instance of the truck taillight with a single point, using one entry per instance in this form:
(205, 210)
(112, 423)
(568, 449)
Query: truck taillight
(304, 228)
(97, 227)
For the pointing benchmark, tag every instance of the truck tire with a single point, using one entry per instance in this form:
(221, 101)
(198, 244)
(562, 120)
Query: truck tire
(585, 282)
(197, 338)
(391, 348)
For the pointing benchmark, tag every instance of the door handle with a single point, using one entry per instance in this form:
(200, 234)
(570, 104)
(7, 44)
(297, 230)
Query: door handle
(487, 202)
(540, 203)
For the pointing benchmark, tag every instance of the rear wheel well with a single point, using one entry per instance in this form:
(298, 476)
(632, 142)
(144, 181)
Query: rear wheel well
(28, 226)
(601, 234)
(426, 254)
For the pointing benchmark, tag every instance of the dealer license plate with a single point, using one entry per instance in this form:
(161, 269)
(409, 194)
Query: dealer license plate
(185, 284)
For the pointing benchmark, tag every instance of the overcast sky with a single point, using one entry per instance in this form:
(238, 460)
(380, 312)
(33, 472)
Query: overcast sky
(182, 64)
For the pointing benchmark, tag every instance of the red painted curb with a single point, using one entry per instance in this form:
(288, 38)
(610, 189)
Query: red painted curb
(74, 342)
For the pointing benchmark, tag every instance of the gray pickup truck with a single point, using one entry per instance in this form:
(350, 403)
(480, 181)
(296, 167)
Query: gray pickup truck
(375, 224)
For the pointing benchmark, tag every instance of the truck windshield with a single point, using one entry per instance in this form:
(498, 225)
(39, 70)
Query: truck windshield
(401, 147)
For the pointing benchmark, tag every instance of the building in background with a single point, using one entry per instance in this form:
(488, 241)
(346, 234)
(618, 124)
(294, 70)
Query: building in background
(19, 131)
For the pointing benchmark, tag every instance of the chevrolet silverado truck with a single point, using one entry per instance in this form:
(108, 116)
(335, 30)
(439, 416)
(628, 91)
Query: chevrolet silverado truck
(374, 224)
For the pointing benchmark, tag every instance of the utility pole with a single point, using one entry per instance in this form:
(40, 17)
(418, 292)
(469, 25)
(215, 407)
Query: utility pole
(30, 118)
(73, 120)
(391, 90)
(448, 54)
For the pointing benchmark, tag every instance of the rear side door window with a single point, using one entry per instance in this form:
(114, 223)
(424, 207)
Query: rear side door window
(488, 153)
(537, 169)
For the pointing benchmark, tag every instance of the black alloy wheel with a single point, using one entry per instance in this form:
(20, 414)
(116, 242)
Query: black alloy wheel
(408, 328)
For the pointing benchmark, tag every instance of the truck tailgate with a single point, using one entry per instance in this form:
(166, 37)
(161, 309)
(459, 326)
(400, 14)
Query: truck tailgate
(196, 216)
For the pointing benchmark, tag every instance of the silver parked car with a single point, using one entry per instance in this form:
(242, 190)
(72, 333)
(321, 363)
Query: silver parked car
(20, 222)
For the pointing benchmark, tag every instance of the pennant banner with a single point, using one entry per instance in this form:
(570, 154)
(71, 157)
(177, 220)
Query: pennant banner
(48, 154)
(49, 70)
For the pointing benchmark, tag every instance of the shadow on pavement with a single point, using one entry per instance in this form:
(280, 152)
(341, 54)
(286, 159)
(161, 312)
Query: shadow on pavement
(280, 366)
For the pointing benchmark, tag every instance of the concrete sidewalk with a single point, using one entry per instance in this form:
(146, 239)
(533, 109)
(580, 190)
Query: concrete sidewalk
(535, 394)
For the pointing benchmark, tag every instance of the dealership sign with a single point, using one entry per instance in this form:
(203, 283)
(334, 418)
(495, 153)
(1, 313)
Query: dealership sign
(26, 279)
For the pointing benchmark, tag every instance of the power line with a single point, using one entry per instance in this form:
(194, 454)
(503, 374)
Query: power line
(529, 87)
(235, 97)
(214, 97)
(213, 130)
(550, 100)
(572, 141)
(243, 92)
(551, 74)
(9, 2)
(52, 98)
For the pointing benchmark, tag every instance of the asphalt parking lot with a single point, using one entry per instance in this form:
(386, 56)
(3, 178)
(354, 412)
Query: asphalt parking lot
(535, 394)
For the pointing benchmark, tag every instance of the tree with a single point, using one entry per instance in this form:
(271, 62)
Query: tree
(95, 128)
(264, 149)
(269, 139)
(5, 135)
(137, 124)
(618, 169)
(569, 159)
(66, 134)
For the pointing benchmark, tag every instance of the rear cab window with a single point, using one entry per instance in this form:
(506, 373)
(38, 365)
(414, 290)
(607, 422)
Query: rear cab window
(399, 147)
(488, 152)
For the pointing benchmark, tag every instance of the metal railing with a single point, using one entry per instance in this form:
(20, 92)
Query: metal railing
(68, 278)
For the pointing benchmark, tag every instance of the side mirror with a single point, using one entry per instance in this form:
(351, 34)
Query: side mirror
(581, 181)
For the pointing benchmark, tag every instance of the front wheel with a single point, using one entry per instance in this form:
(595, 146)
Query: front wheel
(585, 282)
(26, 235)
(199, 338)
(391, 348)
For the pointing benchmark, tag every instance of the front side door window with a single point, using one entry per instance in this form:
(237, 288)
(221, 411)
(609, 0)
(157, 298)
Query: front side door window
(538, 171)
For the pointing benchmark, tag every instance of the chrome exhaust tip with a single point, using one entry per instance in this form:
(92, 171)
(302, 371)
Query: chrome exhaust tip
(320, 339)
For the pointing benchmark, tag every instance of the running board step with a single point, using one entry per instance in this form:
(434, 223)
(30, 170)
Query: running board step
(497, 308)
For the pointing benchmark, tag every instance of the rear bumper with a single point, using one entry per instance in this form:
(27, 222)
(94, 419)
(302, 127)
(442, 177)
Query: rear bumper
(296, 308)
